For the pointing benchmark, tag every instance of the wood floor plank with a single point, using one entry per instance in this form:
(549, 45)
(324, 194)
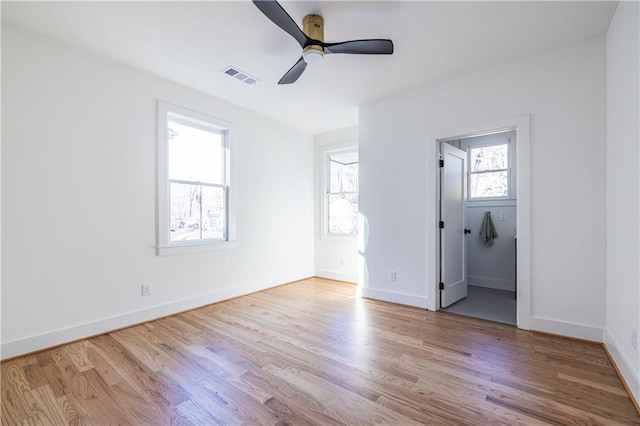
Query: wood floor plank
(19, 395)
(77, 353)
(604, 387)
(313, 353)
(73, 412)
(50, 410)
(140, 378)
(237, 403)
(339, 403)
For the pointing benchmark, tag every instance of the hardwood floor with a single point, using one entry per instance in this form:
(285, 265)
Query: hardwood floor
(313, 353)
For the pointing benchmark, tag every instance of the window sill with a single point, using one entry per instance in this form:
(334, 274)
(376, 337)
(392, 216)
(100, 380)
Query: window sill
(196, 247)
(338, 238)
(495, 202)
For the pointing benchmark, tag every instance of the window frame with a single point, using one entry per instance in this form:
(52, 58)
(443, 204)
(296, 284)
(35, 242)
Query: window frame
(164, 245)
(487, 142)
(326, 189)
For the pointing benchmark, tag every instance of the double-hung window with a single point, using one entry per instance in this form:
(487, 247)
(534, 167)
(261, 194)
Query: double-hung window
(193, 178)
(489, 171)
(342, 192)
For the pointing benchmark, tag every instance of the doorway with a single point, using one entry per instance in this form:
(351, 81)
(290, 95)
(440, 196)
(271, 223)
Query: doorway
(478, 204)
(521, 125)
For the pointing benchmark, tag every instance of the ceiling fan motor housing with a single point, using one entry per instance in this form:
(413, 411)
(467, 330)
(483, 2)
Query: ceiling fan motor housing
(313, 27)
(311, 38)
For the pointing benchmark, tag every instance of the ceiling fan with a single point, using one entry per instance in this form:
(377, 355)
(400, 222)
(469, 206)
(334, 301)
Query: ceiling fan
(311, 39)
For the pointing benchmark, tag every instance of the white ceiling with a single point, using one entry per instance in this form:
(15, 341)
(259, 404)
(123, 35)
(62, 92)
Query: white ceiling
(191, 42)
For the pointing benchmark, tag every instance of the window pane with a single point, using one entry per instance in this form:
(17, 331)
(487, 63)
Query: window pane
(195, 154)
(489, 184)
(197, 212)
(489, 158)
(185, 212)
(213, 211)
(344, 178)
(335, 175)
(343, 213)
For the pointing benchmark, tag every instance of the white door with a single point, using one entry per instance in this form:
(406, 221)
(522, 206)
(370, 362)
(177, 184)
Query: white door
(453, 219)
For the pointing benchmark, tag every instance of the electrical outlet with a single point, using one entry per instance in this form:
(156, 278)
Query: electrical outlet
(146, 289)
(634, 338)
(502, 216)
(392, 275)
(342, 261)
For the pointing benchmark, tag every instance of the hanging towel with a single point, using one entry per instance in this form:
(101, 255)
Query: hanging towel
(488, 230)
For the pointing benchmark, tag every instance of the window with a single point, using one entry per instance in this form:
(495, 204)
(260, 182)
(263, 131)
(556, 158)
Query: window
(342, 192)
(193, 178)
(489, 171)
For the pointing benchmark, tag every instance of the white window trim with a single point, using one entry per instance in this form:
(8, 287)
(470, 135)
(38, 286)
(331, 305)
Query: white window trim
(163, 244)
(491, 140)
(327, 152)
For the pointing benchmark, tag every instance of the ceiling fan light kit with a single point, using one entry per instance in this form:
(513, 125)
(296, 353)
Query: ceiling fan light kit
(311, 39)
(312, 55)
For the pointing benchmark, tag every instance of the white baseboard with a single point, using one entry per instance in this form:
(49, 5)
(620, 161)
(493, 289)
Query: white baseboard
(105, 325)
(623, 365)
(569, 329)
(394, 297)
(332, 275)
(495, 283)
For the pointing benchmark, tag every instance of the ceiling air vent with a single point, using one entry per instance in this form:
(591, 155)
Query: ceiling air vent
(240, 75)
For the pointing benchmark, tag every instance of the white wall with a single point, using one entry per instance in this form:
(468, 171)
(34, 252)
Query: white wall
(492, 266)
(336, 257)
(623, 191)
(564, 91)
(78, 203)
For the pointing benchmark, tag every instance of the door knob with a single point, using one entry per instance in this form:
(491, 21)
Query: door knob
(467, 231)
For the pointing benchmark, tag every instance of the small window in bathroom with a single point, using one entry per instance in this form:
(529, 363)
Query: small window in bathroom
(489, 171)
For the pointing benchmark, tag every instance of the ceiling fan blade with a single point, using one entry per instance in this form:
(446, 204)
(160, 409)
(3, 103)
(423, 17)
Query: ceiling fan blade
(294, 73)
(361, 47)
(281, 18)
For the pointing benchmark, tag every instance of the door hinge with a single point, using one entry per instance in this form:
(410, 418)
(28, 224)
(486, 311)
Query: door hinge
(441, 225)
(441, 286)
(441, 163)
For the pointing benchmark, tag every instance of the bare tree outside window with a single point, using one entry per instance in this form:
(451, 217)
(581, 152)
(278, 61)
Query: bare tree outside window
(197, 188)
(342, 194)
(489, 171)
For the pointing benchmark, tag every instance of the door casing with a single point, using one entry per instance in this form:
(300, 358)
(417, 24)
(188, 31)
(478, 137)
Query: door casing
(521, 124)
